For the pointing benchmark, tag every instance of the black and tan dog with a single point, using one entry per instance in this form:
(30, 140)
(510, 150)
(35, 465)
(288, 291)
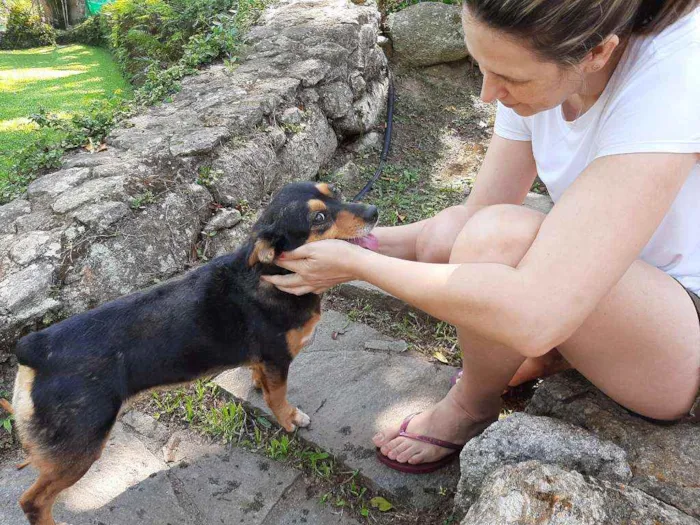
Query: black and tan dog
(75, 375)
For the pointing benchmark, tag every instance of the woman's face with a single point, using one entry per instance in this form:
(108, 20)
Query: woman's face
(513, 74)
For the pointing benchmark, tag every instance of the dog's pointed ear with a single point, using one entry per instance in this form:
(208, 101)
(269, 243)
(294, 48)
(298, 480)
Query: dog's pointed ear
(262, 252)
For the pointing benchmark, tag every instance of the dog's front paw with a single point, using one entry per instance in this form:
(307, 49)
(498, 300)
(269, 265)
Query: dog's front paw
(293, 419)
(301, 419)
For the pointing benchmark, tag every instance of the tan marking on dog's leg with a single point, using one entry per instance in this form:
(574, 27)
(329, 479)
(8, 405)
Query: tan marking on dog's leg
(298, 338)
(257, 374)
(37, 502)
(275, 395)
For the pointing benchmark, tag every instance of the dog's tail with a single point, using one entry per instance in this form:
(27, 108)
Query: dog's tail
(6, 406)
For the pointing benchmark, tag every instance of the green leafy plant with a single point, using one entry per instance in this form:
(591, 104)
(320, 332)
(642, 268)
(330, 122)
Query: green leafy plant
(381, 504)
(90, 32)
(279, 448)
(157, 43)
(25, 28)
(320, 462)
(6, 423)
(140, 201)
(225, 423)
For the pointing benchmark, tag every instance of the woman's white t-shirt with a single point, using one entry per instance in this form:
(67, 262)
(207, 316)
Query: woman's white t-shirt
(651, 104)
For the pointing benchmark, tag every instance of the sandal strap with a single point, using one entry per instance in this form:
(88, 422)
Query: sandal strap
(425, 439)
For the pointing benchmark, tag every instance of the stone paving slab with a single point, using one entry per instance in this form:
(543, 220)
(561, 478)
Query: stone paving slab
(126, 486)
(129, 485)
(336, 332)
(296, 507)
(233, 487)
(350, 393)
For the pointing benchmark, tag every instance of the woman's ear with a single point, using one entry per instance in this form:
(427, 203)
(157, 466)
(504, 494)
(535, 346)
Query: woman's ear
(599, 56)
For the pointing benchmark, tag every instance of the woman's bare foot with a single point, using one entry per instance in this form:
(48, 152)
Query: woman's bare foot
(446, 421)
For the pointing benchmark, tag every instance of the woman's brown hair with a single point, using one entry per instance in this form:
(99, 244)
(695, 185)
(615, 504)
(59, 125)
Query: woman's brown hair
(564, 31)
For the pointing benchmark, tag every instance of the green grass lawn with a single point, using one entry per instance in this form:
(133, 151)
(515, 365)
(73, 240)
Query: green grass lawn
(62, 79)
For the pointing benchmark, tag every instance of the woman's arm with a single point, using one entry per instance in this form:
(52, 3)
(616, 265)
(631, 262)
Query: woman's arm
(505, 177)
(584, 246)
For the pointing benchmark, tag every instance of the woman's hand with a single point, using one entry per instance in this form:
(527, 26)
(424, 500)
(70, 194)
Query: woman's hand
(317, 266)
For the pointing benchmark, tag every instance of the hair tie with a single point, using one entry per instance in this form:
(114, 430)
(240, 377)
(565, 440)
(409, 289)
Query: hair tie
(654, 9)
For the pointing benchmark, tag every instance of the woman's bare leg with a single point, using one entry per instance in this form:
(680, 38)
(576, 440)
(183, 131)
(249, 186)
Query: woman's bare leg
(432, 241)
(641, 345)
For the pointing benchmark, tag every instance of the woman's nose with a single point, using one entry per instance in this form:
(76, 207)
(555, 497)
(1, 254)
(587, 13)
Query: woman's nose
(491, 89)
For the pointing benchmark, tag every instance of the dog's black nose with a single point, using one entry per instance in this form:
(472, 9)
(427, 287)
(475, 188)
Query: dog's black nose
(371, 214)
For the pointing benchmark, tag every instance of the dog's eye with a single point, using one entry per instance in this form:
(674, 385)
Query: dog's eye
(319, 218)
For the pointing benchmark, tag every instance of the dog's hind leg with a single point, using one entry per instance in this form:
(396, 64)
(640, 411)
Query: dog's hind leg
(54, 477)
(274, 386)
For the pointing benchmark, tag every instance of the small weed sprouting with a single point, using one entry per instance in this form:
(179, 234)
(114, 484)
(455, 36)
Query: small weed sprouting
(391, 6)
(139, 202)
(225, 423)
(293, 128)
(206, 176)
(279, 448)
(319, 462)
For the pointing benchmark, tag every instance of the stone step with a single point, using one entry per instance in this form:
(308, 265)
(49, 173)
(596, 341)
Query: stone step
(206, 483)
(350, 393)
(295, 507)
(128, 485)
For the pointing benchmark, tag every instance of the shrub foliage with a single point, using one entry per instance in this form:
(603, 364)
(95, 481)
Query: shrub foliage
(25, 28)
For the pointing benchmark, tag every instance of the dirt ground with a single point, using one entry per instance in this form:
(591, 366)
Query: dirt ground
(440, 133)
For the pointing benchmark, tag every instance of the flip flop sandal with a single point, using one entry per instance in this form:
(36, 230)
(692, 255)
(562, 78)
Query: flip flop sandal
(421, 468)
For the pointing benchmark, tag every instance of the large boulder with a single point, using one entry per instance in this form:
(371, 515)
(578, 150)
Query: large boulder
(533, 492)
(603, 463)
(521, 437)
(664, 458)
(427, 33)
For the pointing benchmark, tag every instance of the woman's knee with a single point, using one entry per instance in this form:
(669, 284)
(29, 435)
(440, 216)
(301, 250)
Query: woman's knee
(434, 243)
(500, 233)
